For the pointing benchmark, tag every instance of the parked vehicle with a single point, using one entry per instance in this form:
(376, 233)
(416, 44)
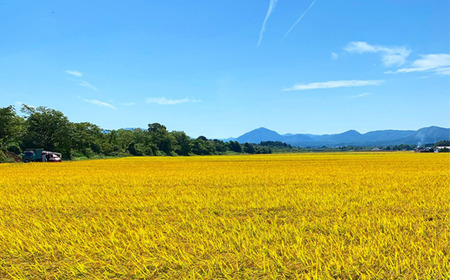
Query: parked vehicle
(39, 155)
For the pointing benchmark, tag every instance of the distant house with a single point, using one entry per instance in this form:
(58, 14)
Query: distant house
(442, 149)
(423, 150)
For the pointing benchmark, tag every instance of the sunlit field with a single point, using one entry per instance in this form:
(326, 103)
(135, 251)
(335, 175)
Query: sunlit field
(319, 216)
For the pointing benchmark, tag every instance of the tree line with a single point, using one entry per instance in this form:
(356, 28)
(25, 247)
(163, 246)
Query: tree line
(51, 130)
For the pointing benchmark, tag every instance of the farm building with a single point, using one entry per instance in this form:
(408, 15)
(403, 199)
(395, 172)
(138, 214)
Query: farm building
(441, 149)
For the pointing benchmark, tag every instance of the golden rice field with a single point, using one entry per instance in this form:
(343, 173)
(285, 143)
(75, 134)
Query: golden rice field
(301, 216)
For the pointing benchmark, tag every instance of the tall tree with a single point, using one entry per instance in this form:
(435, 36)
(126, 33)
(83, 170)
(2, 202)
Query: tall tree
(235, 146)
(10, 126)
(87, 137)
(182, 146)
(249, 148)
(47, 128)
(161, 137)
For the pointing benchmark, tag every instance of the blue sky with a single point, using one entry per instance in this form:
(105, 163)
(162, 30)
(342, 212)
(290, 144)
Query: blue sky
(222, 68)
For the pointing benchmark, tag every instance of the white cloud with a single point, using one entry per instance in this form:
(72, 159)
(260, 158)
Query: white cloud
(359, 47)
(272, 5)
(88, 85)
(165, 101)
(360, 95)
(99, 103)
(389, 55)
(443, 71)
(439, 63)
(299, 18)
(335, 84)
(74, 73)
(334, 56)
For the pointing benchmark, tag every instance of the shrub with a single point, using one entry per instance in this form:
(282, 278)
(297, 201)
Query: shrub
(14, 148)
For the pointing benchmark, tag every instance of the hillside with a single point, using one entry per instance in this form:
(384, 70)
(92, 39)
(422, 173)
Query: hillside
(422, 136)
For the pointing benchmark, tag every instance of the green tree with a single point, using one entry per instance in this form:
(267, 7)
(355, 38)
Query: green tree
(123, 138)
(182, 143)
(199, 147)
(249, 148)
(203, 146)
(219, 146)
(442, 143)
(161, 137)
(87, 137)
(47, 128)
(235, 146)
(157, 128)
(11, 126)
(135, 150)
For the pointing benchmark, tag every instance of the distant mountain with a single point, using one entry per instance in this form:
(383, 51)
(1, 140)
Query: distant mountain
(352, 137)
(258, 135)
(431, 134)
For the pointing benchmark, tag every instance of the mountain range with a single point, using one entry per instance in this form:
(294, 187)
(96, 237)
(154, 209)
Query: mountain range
(422, 136)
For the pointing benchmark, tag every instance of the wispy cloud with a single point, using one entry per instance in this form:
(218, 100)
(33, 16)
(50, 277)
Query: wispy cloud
(82, 83)
(166, 101)
(443, 71)
(74, 73)
(88, 85)
(334, 56)
(389, 55)
(360, 95)
(99, 103)
(439, 63)
(300, 18)
(272, 5)
(335, 84)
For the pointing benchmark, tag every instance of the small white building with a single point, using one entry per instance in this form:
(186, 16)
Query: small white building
(440, 149)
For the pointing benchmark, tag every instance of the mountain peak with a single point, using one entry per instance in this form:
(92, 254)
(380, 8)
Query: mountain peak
(262, 129)
(258, 135)
(351, 137)
(351, 132)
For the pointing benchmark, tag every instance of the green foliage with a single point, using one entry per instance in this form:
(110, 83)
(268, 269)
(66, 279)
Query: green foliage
(200, 147)
(107, 148)
(151, 149)
(275, 144)
(11, 126)
(86, 136)
(135, 150)
(5, 157)
(403, 147)
(14, 148)
(442, 143)
(249, 148)
(47, 128)
(235, 146)
(164, 140)
(182, 143)
(50, 129)
(263, 150)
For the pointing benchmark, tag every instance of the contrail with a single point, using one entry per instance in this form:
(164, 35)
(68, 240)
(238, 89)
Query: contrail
(263, 27)
(298, 20)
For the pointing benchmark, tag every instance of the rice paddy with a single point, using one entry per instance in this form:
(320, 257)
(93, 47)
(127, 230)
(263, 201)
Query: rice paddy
(297, 216)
